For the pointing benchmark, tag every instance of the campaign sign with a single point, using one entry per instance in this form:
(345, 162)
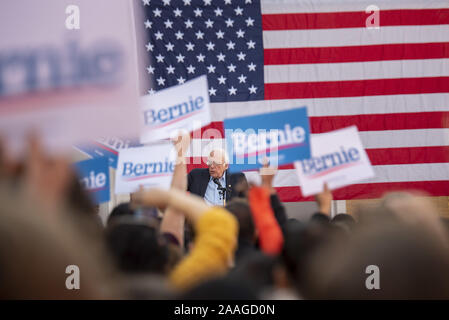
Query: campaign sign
(94, 177)
(150, 166)
(183, 107)
(281, 137)
(107, 147)
(338, 158)
(66, 81)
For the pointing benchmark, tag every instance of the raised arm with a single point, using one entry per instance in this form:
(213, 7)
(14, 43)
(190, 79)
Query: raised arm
(324, 202)
(267, 175)
(173, 221)
(271, 239)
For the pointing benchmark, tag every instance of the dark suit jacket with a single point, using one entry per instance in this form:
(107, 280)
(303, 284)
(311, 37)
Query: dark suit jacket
(198, 179)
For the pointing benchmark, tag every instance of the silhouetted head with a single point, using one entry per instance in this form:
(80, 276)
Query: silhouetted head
(402, 261)
(136, 247)
(241, 210)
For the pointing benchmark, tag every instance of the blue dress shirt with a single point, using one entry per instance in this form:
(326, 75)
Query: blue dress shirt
(212, 195)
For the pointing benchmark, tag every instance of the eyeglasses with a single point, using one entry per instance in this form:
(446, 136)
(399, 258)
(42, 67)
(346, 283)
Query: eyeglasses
(213, 163)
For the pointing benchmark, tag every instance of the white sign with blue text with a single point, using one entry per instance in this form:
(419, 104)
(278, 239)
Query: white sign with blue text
(149, 167)
(338, 159)
(94, 177)
(68, 85)
(183, 107)
(281, 137)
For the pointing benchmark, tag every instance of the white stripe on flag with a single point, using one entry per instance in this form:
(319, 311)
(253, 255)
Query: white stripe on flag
(404, 138)
(389, 173)
(357, 71)
(370, 140)
(354, 36)
(337, 106)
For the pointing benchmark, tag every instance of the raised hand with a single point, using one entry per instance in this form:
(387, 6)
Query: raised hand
(324, 200)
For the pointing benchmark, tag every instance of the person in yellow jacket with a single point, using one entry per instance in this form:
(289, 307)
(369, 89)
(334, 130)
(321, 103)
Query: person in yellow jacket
(216, 235)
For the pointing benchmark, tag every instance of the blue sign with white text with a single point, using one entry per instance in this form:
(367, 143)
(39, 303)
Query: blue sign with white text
(107, 147)
(279, 137)
(94, 177)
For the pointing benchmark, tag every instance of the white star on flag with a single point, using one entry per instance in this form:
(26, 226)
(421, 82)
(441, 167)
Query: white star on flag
(150, 70)
(179, 35)
(209, 23)
(157, 12)
(220, 34)
(252, 89)
(229, 22)
(199, 34)
(191, 69)
(212, 91)
(177, 12)
(158, 35)
(149, 46)
(148, 24)
(211, 69)
(189, 24)
(230, 45)
(252, 67)
(231, 68)
(241, 56)
(170, 69)
(221, 57)
(232, 91)
(168, 24)
(198, 12)
(180, 58)
(160, 58)
(181, 80)
(221, 80)
(200, 57)
(249, 22)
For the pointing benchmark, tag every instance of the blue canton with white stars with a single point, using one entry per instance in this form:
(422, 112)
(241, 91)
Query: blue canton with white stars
(219, 38)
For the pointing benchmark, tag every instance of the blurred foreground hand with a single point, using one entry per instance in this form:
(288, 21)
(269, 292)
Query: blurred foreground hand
(45, 178)
(324, 200)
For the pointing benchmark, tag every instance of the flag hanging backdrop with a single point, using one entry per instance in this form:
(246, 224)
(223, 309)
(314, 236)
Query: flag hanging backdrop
(261, 56)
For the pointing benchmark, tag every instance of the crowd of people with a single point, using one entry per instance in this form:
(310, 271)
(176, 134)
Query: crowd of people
(171, 244)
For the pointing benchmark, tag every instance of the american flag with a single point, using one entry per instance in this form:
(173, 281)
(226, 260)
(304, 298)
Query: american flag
(392, 82)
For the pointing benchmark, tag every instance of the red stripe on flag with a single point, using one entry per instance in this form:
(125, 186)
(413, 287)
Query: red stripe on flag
(407, 51)
(364, 122)
(387, 156)
(369, 190)
(355, 88)
(354, 19)
(211, 133)
(379, 122)
(413, 155)
(196, 162)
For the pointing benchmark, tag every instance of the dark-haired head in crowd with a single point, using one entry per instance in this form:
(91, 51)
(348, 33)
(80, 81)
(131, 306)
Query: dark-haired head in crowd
(247, 232)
